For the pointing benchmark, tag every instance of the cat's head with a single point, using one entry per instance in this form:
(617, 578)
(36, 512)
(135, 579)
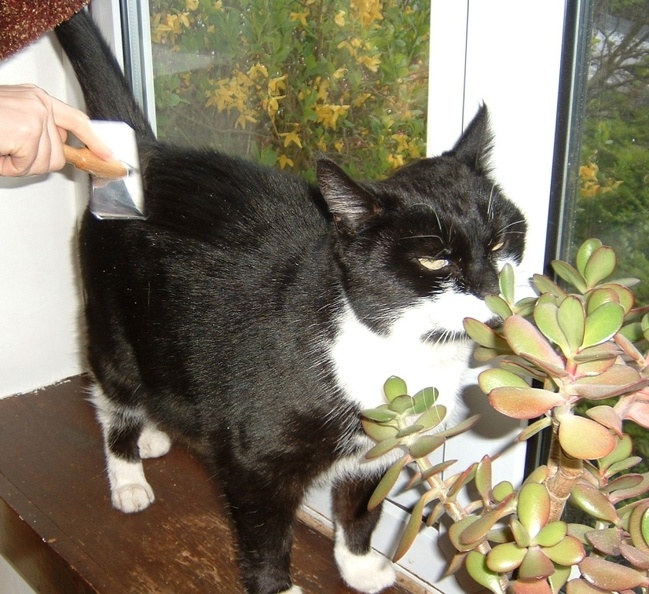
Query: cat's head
(423, 247)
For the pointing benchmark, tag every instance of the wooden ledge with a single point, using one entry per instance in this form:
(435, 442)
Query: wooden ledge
(60, 532)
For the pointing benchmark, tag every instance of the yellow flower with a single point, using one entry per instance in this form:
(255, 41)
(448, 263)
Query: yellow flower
(258, 71)
(284, 161)
(402, 142)
(339, 73)
(361, 99)
(218, 5)
(339, 19)
(395, 161)
(328, 114)
(372, 63)
(244, 119)
(291, 137)
(277, 85)
(191, 4)
(367, 11)
(300, 16)
(339, 146)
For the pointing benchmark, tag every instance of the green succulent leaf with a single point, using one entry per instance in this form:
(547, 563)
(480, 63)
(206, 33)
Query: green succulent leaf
(506, 557)
(568, 551)
(533, 507)
(432, 417)
(502, 490)
(507, 280)
(602, 324)
(546, 318)
(393, 387)
(639, 526)
(380, 415)
(424, 399)
(383, 447)
(584, 253)
(378, 431)
(572, 322)
(485, 336)
(386, 484)
(425, 445)
(402, 405)
(593, 502)
(476, 565)
(499, 378)
(455, 532)
(498, 306)
(535, 565)
(460, 427)
(551, 534)
(534, 428)
(519, 532)
(558, 579)
(411, 530)
(600, 265)
(544, 285)
(623, 449)
(570, 274)
(483, 478)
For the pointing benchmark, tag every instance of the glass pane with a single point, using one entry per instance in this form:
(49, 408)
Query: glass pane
(611, 200)
(613, 178)
(284, 80)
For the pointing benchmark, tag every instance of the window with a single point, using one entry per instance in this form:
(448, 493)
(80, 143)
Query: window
(448, 59)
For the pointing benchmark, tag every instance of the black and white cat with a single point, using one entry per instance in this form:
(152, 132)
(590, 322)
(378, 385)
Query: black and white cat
(255, 316)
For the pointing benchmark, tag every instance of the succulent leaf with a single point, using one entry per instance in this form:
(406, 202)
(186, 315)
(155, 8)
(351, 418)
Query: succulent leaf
(525, 339)
(535, 565)
(498, 306)
(610, 576)
(533, 507)
(570, 274)
(393, 387)
(572, 322)
(424, 399)
(593, 502)
(476, 565)
(499, 378)
(584, 253)
(506, 557)
(524, 403)
(425, 445)
(584, 439)
(551, 534)
(600, 265)
(485, 336)
(568, 551)
(602, 323)
(386, 484)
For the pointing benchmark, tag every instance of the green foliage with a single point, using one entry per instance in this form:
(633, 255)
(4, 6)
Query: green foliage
(285, 81)
(581, 347)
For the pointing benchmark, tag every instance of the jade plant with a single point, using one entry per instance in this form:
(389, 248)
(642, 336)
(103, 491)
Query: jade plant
(573, 364)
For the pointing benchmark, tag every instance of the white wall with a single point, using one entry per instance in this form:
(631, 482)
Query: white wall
(39, 298)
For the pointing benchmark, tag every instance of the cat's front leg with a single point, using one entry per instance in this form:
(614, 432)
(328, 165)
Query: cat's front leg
(122, 430)
(361, 567)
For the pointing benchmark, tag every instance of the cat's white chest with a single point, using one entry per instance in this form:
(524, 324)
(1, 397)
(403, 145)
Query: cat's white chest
(363, 360)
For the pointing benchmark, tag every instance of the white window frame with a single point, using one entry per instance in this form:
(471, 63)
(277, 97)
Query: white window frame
(507, 54)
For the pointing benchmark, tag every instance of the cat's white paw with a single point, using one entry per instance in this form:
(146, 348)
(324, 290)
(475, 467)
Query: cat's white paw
(369, 573)
(153, 443)
(132, 498)
(292, 590)
(130, 492)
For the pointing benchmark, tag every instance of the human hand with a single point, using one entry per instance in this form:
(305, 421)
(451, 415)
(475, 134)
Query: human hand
(33, 128)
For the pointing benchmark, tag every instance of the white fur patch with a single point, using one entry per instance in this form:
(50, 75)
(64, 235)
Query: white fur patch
(153, 443)
(292, 590)
(129, 489)
(366, 573)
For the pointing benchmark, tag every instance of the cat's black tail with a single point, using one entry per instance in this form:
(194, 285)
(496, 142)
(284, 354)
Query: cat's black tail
(105, 90)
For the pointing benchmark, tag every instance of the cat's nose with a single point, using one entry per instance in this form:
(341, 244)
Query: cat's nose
(483, 281)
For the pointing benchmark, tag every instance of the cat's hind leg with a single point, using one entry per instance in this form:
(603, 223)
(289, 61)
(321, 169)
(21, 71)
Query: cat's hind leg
(153, 442)
(122, 429)
(361, 567)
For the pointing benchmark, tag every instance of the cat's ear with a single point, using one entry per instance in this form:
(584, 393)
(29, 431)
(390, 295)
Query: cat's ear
(350, 204)
(474, 147)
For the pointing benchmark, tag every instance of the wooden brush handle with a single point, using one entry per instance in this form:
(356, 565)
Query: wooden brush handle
(86, 160)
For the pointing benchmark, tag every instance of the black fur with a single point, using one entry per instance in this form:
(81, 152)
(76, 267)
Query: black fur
(214, 317)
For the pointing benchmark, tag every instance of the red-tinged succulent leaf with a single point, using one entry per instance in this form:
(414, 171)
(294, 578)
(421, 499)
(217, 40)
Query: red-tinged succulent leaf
(623, 465)
(533, 507)
(625, 296)
(456, 563)
(535, 565)
(524, 339)
(393, 387)
(605, 415)
(500, 378)
(616, 380)
(593, 502)
(610, 576)
(411, 530)
(637, 558)
(629, 348)
(545, 285)
(580, 586)
(524, 403)
(568, 551)
(476, 565)
(387, 483)
(498, 306)
(594, 367)
(477, 531)
(600, 265)
(602, 324)
(607, 540)
(638, 412)
(584, 253)
(627, 486)
(506, 557)
(639, 526)
(585, 439)
(571, 318)
(534, 428)
(605, 350)
(533, 587)
(483, 478)
(456, 530)
(460, 427)
(458, 481)
(519, 532)
(579, 531)
(485, 336)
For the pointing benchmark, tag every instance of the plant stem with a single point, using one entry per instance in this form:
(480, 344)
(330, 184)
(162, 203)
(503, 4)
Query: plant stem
(564, 471)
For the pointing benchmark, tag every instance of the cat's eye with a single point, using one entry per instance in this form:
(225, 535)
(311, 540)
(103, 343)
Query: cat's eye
(498, 246)
(433, 263)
